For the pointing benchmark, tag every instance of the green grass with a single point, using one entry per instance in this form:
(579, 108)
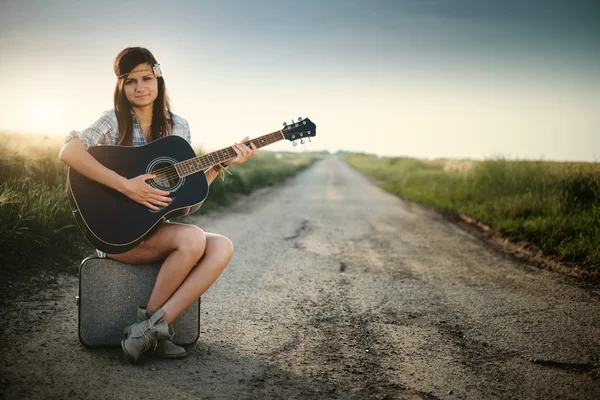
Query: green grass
(554, 205)
(37, 225)
(265, 169)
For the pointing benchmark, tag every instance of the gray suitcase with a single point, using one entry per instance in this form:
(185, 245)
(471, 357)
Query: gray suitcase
(109, 293)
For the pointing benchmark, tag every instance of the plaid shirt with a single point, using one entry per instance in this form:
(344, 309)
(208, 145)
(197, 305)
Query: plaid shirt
(106, 131)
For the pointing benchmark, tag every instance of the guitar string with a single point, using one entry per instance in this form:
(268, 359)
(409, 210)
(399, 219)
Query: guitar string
(158, 171)
(172, 166)
(176, 174)
(272, 134)
(170, 172)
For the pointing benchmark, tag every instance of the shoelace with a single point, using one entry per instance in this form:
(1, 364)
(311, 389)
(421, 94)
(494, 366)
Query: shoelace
(149, 336)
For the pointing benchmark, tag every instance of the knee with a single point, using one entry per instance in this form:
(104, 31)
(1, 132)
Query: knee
(228, 248)
(192, 241)
(224, 247)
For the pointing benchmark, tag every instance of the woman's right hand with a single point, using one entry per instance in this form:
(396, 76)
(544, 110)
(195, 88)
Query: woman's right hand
(139, 191)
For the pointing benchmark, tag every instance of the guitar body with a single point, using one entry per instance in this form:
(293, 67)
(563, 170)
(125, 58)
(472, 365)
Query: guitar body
(111, 221)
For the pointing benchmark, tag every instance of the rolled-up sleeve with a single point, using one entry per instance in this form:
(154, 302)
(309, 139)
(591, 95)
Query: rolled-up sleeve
(98, 133)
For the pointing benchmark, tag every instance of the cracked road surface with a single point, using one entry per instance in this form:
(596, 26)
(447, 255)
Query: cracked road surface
(337, 290)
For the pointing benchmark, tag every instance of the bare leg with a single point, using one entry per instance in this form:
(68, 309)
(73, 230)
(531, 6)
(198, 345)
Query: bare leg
(219, 251)
(181, 246)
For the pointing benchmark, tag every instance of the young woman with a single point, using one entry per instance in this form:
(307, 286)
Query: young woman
(142, 114)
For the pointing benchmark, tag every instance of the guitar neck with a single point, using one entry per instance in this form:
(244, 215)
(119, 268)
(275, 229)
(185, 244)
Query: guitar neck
(205, 161)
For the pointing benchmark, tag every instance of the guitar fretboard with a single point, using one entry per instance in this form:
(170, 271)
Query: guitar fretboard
(203, 162)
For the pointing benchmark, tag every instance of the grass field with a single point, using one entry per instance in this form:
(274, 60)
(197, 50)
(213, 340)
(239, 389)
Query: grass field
(553, 205)
(37, 225)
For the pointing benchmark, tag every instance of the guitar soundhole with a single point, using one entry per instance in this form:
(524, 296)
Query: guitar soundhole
(166, 176)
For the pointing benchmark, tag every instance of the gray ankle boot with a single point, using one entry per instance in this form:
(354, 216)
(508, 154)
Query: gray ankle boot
(165, 348)
(144, 335)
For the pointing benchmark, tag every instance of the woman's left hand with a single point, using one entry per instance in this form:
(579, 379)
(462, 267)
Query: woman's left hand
(243, 152)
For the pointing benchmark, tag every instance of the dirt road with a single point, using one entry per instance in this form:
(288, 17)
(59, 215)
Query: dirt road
(336, 290)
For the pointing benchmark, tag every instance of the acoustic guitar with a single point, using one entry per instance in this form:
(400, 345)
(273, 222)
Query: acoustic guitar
(114, 223)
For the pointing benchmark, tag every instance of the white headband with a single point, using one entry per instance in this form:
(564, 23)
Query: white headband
(156, 70)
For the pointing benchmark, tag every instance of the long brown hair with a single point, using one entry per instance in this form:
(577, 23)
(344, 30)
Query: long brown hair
(162, 119)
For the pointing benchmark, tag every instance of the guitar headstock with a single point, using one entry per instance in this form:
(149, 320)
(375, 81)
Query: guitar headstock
(302, 129)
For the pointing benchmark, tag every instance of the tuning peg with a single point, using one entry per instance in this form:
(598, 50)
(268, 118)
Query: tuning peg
(299, 119)
(294, 144)
(302, 141)
(284, 124)
(293, 122)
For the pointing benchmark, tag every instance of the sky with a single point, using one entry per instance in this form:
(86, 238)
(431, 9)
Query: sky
(459, 79)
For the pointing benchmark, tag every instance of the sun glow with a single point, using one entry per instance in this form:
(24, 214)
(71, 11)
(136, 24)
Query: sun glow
(42, 119)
